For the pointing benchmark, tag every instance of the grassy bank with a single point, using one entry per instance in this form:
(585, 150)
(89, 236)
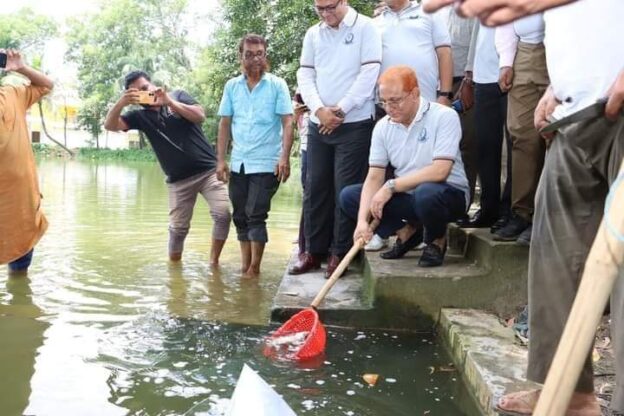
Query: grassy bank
(87, 153)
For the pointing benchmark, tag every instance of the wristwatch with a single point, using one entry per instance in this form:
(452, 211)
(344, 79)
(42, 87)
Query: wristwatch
(447, 94)
(390, 184)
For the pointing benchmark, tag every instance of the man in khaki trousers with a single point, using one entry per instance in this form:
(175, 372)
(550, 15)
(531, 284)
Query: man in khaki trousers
(522, 57)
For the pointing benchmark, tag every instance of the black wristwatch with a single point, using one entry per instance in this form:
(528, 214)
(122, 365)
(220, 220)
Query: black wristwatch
(446, 94)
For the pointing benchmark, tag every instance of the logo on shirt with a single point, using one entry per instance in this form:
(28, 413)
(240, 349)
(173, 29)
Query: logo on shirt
(349, 39)
(423, 135)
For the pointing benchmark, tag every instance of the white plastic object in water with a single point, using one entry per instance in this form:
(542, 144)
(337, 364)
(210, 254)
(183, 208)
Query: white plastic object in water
(253, 396)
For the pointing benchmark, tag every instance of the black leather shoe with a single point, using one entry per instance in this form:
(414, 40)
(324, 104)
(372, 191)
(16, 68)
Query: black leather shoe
(512, 230)
(307, 262)
(479, 220)
(500, 223)
(463, 221)
(432, 256)
(399, 249)
(332, 264)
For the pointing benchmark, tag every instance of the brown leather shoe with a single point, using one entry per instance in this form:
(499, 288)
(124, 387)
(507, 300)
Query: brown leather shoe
(306, 263)
(332, 264)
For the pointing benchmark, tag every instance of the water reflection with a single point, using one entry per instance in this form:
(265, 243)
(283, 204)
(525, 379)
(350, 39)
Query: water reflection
(22, 335)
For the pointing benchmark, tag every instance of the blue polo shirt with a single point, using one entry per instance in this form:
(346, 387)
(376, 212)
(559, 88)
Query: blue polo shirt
(256, 121)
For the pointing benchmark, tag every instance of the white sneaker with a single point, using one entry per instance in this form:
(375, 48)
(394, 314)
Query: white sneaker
(376, 243)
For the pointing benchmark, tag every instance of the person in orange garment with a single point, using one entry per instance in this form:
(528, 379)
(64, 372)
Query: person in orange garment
(22, 222)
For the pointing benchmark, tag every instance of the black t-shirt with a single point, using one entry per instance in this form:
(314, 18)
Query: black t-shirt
(180, 145)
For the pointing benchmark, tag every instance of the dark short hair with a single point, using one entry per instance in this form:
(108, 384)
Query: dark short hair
(133, 76)
(253, 39)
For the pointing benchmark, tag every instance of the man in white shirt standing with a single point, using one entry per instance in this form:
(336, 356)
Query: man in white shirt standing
(581, 164)
(421, 140)
(421, 41)
(340, 62)
(523, 73)
(490, 113)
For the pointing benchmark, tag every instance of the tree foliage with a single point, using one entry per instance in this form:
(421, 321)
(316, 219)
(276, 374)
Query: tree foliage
(126, 35)
(25, 30)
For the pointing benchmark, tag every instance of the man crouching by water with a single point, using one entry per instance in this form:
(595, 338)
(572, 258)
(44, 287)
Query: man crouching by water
(420, 139)
(22, 222)
(172, 124)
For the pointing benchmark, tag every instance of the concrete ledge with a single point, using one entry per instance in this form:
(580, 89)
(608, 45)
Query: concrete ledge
(398, 294)
(485, 353)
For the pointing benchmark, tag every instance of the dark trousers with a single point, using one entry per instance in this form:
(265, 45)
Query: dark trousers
(431, 204)
(304, 171)
(251, 196)
(581, 164)
(490, 113)
(468, 143)
(334, 162)
(22, 263)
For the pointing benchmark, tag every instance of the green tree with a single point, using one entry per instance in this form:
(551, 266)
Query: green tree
(282, 22)
(126, 35)
(25, 30)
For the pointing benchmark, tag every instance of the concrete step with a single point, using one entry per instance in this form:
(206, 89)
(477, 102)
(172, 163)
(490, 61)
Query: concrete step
(348, 303)
(478, 272)
(485, 352)
(478, 245)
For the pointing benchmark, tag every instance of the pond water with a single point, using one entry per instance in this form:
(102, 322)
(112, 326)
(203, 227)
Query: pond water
(105, 325)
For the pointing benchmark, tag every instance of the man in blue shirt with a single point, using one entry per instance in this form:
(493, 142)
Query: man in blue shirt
(256, 112)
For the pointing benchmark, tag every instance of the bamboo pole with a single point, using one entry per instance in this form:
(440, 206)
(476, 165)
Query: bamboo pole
(601, 271)
(342, 266)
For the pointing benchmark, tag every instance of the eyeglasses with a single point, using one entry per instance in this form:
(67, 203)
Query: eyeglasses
(250, 55)
(327, 9)
(393, 102)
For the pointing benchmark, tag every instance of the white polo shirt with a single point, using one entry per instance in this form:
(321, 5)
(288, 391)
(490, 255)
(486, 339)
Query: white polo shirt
(410, 37)
(341, 66)
(434, 134)
(529, 29)
(485, 70)
(584, 51)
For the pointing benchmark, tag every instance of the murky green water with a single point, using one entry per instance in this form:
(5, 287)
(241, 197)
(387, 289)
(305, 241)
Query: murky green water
(104, 325)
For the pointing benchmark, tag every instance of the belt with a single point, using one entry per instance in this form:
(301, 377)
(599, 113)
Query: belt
(588, 113)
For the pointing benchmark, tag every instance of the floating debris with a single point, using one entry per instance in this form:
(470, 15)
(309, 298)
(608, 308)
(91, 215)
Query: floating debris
(371, 379)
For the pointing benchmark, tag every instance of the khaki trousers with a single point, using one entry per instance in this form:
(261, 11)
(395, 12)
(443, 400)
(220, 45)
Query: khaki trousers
(182, 197)
(529, 83)
(581, 163)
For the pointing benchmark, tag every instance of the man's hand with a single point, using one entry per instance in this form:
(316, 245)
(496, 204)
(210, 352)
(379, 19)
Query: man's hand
(378, 9)
(379, 200)
(328, 118)
(15, 62)
(223, 172)
(544, 110)
(282, 169)
(505, 80)
(466, 91)
(362, 230)
(615, 103)
(130, 96)
(162, 97)
(495, 12)
(444, 101)
(300, 109)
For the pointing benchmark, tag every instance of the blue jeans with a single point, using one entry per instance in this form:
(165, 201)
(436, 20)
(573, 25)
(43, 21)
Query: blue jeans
(431, 204)
(22, 263)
